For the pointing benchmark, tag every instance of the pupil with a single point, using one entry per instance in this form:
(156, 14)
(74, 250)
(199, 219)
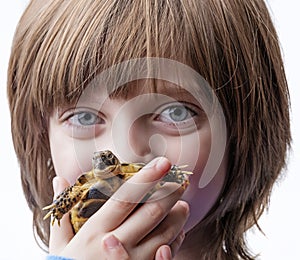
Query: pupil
(87, 117)
(177, 112)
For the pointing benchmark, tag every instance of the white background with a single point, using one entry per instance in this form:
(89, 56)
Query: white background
(281, 224)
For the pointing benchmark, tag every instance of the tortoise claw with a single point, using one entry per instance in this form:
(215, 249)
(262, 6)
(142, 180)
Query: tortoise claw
(51, 206)
(184, 172)
(47, 215)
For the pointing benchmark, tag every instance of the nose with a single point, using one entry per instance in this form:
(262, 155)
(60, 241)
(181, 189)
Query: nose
(130, 140)
(139, 139)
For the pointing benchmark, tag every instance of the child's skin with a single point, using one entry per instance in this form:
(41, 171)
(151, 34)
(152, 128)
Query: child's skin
(156, 223)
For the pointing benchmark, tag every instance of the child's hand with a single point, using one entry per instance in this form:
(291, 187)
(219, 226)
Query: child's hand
(114, 233)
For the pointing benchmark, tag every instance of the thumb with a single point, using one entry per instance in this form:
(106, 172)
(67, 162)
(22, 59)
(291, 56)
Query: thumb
(60, 235)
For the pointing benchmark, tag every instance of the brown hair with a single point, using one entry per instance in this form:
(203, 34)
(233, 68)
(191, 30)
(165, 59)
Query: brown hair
(59, 46)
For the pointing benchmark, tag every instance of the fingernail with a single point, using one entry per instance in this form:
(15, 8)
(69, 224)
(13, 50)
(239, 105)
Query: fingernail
(152, 163)
(111, 242)
(163, 163)
(165, 253)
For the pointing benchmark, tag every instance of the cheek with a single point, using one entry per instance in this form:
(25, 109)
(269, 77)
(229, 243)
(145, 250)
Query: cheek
(65, 154)
(201, 200)
(65, 163)
(194, 151)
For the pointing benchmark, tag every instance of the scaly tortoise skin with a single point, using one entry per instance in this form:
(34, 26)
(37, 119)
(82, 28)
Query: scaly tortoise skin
(92, 189)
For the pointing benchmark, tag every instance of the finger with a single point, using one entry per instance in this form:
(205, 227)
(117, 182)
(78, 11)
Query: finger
(125, 199)
(153, 212)
(113, 249)
(166, 252)
(60, 235)
(163, 253)
(176, 244)
(169, 229)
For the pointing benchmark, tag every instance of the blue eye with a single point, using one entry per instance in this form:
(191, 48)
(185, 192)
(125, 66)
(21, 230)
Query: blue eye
(82, 123)
(84, 119)
(176, 114)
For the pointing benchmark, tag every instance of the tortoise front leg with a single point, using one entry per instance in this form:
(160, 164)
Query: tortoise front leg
(65, 202)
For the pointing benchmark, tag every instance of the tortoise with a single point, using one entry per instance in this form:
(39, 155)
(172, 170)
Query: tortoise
(92, 189)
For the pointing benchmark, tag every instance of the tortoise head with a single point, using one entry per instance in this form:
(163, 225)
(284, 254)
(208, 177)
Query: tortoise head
(105, 163)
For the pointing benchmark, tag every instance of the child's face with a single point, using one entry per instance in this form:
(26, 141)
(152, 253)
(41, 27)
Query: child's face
(169, 122)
